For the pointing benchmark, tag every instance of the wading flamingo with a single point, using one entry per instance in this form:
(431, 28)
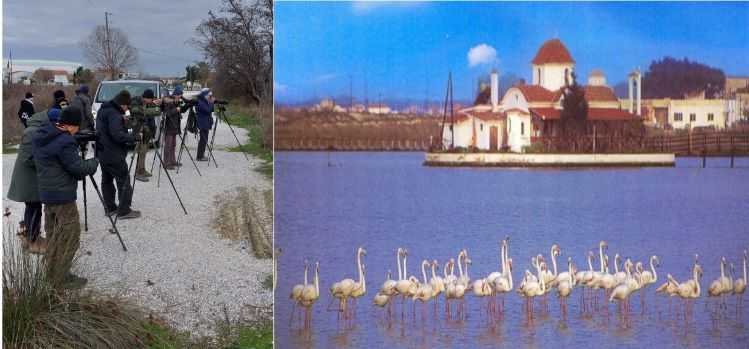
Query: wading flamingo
(565, 283)
(310, 295)
(739, 286)
(296, 293)
(346, 287)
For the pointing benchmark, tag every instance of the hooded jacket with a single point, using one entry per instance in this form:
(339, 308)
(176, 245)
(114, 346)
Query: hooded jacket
(59, 166)
(23, 182)
(112, 140)
(83, 102)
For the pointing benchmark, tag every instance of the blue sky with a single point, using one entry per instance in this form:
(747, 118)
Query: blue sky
(405, 50)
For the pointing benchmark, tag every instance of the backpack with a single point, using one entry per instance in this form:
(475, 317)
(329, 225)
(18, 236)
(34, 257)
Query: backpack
(192, 122)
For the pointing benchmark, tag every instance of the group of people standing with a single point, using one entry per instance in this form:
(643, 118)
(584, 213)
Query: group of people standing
(51, 161)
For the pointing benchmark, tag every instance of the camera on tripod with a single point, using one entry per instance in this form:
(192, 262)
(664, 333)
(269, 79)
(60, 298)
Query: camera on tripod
(82, 137)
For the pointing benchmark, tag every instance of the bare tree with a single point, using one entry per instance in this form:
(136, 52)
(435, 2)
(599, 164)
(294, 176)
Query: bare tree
(110, 52)
(43, 76)
(239, 46)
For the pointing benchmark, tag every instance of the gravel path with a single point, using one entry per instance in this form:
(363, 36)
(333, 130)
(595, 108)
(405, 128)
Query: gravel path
(176, 266)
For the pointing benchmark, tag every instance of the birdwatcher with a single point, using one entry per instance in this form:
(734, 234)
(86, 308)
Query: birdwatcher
(143, 111)
(111, 150)
(59, 167)
(82, 101)
(24, 187)
(204, 109)
(24, 175)
(27, 109)
(173, 108)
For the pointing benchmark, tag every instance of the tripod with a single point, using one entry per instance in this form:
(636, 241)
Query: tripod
(101, 198)
(219, 116)
(162, 165)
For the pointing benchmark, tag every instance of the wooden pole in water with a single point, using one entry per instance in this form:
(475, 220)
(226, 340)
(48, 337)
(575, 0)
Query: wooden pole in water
(704, 154)
(732, 151)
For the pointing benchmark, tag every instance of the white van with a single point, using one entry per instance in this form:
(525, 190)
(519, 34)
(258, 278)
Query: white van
(108, 89)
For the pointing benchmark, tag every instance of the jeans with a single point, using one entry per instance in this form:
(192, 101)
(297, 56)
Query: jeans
(202, 143)
(170, 143)
(111, 172)
(32, 217)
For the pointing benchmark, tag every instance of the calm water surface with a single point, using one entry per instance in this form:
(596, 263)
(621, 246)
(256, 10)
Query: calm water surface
(383, 201)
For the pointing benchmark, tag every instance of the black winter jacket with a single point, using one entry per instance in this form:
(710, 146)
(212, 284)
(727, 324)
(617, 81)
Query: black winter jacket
(111, 144)
(59, 166)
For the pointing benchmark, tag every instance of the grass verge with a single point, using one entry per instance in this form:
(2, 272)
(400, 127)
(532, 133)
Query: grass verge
(258, 144)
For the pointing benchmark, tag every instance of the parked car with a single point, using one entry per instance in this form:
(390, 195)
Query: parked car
(108, 89)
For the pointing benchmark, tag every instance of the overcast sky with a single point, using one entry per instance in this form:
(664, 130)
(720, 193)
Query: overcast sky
(35, 29)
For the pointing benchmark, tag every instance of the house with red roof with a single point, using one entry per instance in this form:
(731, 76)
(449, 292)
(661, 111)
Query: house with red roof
(527, 113)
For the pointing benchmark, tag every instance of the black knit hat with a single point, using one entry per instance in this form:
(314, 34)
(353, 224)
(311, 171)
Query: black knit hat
(29, 95)
(59, 94)
(122, 98)
(70, 116)
(148, 93)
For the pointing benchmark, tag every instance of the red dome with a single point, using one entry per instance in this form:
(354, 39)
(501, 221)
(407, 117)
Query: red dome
(553, 51)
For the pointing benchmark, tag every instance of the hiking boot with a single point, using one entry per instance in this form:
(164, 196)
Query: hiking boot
(178, 164)
(39, 246)
(146, 173)
(73, 281)
(170, 167)
(202, 159)
(129, 215)
(141, 177)
(110, 213)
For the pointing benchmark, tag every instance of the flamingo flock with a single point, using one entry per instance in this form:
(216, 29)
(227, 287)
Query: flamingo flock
(617, 285)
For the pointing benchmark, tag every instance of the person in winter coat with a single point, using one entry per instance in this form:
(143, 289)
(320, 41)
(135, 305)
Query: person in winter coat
(24, 188)
(143, 111)
(82, 101)
(204, 109)
(27, 109)
(111, 150)
(59, 167)
(173, 109)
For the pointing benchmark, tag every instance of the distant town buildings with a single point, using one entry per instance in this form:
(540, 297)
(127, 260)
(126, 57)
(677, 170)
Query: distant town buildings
(378, 108)
(22, 70)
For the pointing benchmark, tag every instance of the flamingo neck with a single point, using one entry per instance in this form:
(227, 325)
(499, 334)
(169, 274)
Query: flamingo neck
(400, 274)
(600, 253)
(317, 280)
(616, 263)
(554, 261)
(569, 267)
(696, 281)
(305, 274)
(745, 280)
(460, 264)
(423, 273)
(434, 274)
(541, 280)
(502, 257)
(722, 268)
(358, 265)
(590, 262)
(444, 270)
(405, 273)
(652, 268)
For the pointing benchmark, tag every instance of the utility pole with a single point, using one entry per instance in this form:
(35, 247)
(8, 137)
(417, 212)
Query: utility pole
(10, 67)
(110, 63)
(351, 91)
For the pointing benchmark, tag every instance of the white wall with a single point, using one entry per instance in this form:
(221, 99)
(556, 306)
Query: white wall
(519, 130)
(463, 133)
(701, 109)
(483, 137)
(552, 75)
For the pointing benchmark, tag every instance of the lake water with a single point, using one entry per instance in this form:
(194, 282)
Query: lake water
(383, 201)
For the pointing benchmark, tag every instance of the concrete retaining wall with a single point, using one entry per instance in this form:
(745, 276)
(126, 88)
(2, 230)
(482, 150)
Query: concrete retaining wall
(548, 160)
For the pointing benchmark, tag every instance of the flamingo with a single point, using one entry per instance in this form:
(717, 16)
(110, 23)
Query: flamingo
(424, 291)
(382, 297)
(608, 281)
(690, 289)
(565, 283)
(404, 284)
(621, 293)
(585, 278)
(503, 283)
(739, 286)
(620, 276)
(296, 292)
(648, 277)
(310, 295)
(532, 287)
(720, 285)
(346, 287)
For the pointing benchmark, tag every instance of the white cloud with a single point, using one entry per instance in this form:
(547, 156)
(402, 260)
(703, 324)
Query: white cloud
(481, 54)
(279, 88)
(365, 7)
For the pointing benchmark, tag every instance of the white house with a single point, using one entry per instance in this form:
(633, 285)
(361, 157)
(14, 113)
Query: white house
(529, 112)
(379, 108)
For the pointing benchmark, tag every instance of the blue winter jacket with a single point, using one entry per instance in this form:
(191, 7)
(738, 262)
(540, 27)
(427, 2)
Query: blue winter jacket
(204, 110)
(59, 166)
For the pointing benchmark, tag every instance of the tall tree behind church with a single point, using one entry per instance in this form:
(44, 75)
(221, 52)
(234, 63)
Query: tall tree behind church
(673, 78)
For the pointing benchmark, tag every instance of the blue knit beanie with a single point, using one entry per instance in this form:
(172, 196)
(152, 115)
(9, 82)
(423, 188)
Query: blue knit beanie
(177, 91)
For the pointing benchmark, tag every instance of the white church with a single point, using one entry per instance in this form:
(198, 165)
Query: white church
(526, 113)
